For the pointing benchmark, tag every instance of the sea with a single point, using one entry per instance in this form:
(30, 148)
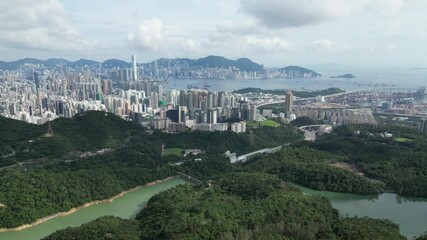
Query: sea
(408, 78)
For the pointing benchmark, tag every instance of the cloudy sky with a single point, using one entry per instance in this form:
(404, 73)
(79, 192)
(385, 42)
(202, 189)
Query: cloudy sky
(272, 32)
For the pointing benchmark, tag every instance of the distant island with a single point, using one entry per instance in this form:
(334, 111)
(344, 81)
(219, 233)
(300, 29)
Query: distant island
(348, 75)
(296, 71)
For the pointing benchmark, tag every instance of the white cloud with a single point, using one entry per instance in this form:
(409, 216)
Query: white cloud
(291, 13)
(241, 27)
(234, 45)
(153, 35)
(148, 35)
(329, 46)
(245, 37)
(38, 25)
(274, 44)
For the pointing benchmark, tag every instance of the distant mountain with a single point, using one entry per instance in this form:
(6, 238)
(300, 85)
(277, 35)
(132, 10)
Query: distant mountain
(15, 64)
(82, 63)
(243, 64)
(348, 75)
(115, 63)
(296, 71)
(171, 62)
(53, 62)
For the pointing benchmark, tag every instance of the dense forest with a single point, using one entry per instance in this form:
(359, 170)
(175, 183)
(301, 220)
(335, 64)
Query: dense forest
(237, 206)
(104, 228)
(311, 168)
(65, 180)
(399, 161)
(88, 131)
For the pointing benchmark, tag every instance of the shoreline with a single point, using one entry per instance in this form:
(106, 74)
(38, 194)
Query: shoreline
(73, 210)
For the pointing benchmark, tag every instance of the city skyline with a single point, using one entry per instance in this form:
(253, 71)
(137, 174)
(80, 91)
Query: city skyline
(272, 32)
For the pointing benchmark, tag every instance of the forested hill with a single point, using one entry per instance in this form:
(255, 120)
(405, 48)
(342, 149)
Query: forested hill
(399, 161)
(88, 131)
(67, 164)
(296, 71)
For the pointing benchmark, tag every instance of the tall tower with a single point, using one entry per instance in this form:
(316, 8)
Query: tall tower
(134, 69)
(289, 104)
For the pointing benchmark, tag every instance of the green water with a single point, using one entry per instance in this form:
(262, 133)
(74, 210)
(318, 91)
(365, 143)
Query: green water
(125, 207)
(409, 213)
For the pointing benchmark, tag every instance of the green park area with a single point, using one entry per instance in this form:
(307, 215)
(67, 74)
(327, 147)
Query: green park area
(265, 123)
(401, 139)
(173, 151)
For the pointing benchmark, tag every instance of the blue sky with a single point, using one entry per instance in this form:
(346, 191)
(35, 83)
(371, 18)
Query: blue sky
(272, 32)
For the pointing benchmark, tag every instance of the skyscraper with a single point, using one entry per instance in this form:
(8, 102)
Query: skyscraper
(134, 69)
(212, 116)
(154, 101)
(289, 104)
(252, 113)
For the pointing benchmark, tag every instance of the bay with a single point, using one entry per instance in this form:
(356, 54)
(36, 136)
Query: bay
(366, 78)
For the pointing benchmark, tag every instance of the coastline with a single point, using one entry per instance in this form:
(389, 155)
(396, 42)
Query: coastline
(73, 210)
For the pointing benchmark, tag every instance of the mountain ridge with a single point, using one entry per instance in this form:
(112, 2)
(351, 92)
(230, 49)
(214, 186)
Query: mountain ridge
(212, 61)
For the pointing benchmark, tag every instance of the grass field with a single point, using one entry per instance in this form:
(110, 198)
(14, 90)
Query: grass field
(269, 123)
(400, 139)
(173, 151)
(266, 123)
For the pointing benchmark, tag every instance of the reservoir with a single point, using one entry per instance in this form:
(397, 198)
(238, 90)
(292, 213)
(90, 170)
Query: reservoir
(125, 207)
(409, 213)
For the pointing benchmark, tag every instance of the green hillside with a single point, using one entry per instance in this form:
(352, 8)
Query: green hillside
(89, 131)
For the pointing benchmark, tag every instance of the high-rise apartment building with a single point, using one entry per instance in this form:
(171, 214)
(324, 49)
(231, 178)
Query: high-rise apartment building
(134, 69)
(289, 104)
(252, 113)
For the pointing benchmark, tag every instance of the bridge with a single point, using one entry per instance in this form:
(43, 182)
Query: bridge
(189, 178)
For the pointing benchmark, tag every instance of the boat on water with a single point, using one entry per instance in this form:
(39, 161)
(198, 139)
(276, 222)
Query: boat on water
(191, 86)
